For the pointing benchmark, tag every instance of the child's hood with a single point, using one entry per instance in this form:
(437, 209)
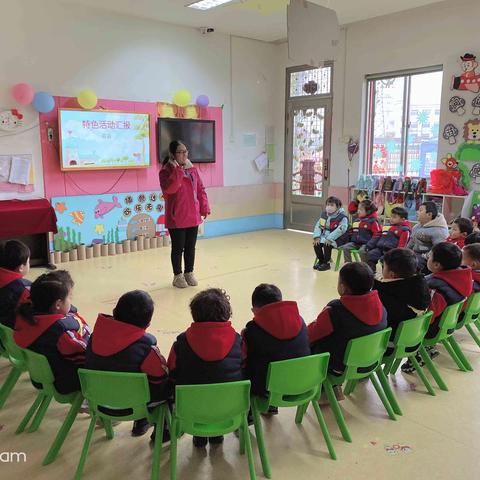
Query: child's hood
(460, 279)
(280, 319)
(439, 222)
(25, 333)
(367, 308)
(111, 336)
(413, 291)
(336, 213)
(8, 276)
(211, 341)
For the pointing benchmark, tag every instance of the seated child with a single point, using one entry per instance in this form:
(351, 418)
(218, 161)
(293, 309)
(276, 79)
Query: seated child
(472, 238)
(394, 236)
(471, 258)
(121, 344)
(14, 289)
(365, 231)
(403, 292)
(330, 232)
(431, 229)
(210, 350)
(44, 325)
(357, 313)
(450, 283)
(461, 228)
(277, 332)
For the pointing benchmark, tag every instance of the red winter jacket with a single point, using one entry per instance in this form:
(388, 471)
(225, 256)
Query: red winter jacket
(185, 197)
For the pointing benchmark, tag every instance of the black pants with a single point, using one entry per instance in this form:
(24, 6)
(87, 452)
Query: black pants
(373, 257)
(323, 252)
(183, 242)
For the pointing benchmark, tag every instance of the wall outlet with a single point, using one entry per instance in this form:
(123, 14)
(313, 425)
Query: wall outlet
(50, 134)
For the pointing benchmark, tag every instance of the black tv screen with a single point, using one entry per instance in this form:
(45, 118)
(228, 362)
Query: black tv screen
(198, 135)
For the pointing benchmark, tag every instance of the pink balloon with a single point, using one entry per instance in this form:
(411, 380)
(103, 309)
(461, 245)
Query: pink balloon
(23, 93)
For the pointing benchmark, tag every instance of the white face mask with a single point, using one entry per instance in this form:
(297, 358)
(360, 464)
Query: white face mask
(330, 209)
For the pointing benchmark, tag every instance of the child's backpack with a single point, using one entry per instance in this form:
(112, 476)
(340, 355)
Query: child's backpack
(407, 185)
(361, 182)
(398, 185)
(387, 184)
(411, 207)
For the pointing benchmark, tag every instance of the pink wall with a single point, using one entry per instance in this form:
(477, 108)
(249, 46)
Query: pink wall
(58, 183)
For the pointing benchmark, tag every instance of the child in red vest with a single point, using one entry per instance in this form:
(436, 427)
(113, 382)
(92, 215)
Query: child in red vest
(459, 231)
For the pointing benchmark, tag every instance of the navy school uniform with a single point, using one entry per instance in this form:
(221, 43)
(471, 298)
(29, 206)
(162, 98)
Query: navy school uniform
(277, 332)
(117, 346)
(393, 236)
(349, 317)
(207, 352)
(366, 230)
(476, 281)
(14, 289)
(62, 339)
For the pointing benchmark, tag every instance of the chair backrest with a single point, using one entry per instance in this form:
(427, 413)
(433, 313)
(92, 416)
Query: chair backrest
(448, 321)
(12, 351)
(364, 354)
(410, 335)
(116, 394)
(472, 310)
(296, 381)
(213, 409)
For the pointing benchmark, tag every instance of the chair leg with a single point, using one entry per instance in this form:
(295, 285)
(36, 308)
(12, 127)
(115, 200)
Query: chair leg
(422, 375)
(262, 450)
(64, 429)
(350, 387)
(395, 366)
(248, 448)
(339, 259)
(107, 425)
(42, 409)
(382, 396)
(324, 428)
(469, 328)
(477, 323)
(86, 446)
(460, 354)
(8, 385)
(173, 449)
(432, 369)
(388, 391)
(157, 449)
(453, 354)
(388, 365)
(30, 413)
(337, 411)
(301, 410)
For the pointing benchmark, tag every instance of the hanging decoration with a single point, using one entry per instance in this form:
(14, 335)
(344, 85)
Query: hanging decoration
(43, 102)
(87, 99)
(23, 93)
(476, 105)
(469, 79)
(450, 133)
(456, 105)
(10, 120)
(310, 87)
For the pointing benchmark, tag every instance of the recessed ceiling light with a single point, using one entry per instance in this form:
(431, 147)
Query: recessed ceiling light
(207, 4)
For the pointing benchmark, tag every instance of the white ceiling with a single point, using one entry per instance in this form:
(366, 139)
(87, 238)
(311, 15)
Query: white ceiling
(259, 19)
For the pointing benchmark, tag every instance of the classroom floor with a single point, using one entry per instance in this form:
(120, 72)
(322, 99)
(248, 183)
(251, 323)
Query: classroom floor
(440, 433)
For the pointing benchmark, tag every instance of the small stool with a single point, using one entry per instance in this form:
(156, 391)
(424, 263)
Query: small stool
(355, 254)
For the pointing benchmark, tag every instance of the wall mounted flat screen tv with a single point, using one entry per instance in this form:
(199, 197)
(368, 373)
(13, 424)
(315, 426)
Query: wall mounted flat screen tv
(198, 135)
(103, 140)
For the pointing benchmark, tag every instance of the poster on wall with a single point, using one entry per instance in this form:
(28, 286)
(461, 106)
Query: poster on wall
(102, 140)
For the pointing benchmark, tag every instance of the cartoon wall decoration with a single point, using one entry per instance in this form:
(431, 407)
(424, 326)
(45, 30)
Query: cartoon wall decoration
(449, 181)
(105, 219)
(469, 79)
(476, 105)
(469, 150)
(450, 133)
(456, 105)
(10, 120)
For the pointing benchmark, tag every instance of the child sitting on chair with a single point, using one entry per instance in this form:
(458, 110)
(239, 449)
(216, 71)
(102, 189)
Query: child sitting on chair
(471, 258)
(330, 232)
(365, 231)
(459, 231)
(210, 350)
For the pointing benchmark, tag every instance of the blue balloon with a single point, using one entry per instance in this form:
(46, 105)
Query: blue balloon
(43, 102)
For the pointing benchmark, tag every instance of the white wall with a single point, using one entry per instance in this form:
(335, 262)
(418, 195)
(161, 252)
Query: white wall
(63, 48)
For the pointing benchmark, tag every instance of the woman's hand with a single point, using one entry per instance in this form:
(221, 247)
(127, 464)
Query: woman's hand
(174, 163)
(205, 216)
(316, 241)
(328, 243)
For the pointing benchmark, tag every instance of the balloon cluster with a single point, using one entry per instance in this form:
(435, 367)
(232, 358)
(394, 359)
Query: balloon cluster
(183, 98)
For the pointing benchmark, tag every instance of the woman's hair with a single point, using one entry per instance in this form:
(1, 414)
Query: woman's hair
(211, 305)
(334, 200)
(172, 150)
(13, 253)
(44, 292)
(135, 308)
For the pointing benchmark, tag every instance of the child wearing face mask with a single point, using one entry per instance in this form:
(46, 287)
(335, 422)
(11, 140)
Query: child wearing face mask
(331, 231)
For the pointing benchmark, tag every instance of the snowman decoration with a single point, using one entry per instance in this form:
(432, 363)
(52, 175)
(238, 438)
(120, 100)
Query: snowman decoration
(10, 120)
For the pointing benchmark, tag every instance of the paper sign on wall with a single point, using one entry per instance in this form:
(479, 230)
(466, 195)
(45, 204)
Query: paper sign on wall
(16, 169)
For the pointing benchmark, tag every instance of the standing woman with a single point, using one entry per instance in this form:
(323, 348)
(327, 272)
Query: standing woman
(186, 203)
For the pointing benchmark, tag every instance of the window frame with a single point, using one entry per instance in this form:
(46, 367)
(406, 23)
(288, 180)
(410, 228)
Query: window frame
(302, 68)
(369, 122)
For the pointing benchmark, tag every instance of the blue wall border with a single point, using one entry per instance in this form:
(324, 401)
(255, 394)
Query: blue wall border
(229, 226)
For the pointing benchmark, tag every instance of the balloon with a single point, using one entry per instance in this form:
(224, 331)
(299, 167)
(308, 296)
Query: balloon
(203, 101)
(182, 98)
(23, 93)
(87, 99)
(43, 102)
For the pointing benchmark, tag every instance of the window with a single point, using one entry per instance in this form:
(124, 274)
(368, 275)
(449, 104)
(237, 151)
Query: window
(403, 118)
(311, 81)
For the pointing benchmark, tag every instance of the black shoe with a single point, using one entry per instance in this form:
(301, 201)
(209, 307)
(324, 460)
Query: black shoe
(432, 351)
(323, 267)
(408, 367)
(270, 412)
(140, 427)
(200, 442)
(215, 440)
(165, 438)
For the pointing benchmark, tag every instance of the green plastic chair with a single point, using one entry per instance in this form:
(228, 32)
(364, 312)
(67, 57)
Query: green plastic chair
(355, 254)
(42, 379)
(210, 411)
(447, 325)
(129, 394)
(14, 355)
(363, 359)
(407, 342)
(471, 316)
(293, 383)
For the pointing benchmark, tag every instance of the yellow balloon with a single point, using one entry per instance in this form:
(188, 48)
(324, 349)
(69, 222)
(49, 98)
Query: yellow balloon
(182, 98)
(87, 99)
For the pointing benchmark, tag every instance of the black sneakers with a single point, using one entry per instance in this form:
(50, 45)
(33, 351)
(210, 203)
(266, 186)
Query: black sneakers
(140, 427)
(322, 267)
(201, 442)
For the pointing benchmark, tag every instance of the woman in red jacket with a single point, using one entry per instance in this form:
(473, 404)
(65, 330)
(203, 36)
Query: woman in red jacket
(186, 203)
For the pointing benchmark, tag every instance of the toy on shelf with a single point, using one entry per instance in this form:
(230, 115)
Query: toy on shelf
(456, 105)
(469, 79)
(449, 181)
(450, 133)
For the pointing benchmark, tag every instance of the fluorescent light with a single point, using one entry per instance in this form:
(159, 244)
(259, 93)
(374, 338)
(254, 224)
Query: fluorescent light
(207, 4)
